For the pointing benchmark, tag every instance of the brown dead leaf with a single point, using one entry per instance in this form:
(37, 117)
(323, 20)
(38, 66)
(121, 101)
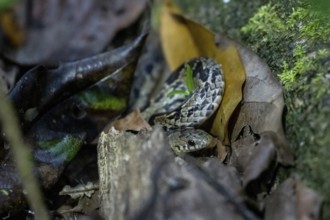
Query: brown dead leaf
(308, 203)
(133, 121)
(262, 104)
(234, 74)
(281, 204)
(80, 190)
(86, 205)
(256, 157)
(87, 196)
(11, 29)
(254, 154)
(222, 151)
(57, 31)
(183, 39)
(292, 200)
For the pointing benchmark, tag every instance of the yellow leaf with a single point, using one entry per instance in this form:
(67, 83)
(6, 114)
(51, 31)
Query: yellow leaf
(234, 74)
(183, 39)
(11, 29)
(184, 46)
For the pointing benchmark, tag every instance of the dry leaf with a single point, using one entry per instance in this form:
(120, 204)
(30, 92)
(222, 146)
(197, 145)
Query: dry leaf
(253, 155)
(308, 203)
(262, 104)
(292, 200)
(281, 204)
(234, 74)
(133, 121)
(57, 31)
(80, 190)
(85, 205)
(256, 156)
(11, 29)
(183, 39)
(222, 151)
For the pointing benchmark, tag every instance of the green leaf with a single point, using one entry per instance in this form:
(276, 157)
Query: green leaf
(189, 82)
(189, 79)
(102, 101)
(61, 149)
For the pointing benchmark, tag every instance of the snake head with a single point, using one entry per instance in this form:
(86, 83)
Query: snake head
(189, 140)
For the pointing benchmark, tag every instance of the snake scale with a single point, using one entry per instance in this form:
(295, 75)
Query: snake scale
(181, 113)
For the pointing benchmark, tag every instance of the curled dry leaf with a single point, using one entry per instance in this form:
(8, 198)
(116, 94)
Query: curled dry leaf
(183, 39)
(292, 200)
(68, 30)
(262, 104)
(234, 74)
(85, 205)
(256, 156)
(308, 203)
(80, 190)
(133, 121)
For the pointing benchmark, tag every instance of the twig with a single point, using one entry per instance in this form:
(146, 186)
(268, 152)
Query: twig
(22, 158)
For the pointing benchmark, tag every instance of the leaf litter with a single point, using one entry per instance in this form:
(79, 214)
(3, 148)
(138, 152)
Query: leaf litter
(248, 123)
(56, 31)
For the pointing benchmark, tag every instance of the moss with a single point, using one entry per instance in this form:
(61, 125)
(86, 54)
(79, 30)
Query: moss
(295, 42)
(221, 16)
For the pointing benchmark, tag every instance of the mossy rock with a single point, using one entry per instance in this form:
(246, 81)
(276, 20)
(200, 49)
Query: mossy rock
(293, 38)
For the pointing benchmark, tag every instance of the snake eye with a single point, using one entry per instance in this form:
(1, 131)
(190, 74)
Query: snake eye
(191, 143)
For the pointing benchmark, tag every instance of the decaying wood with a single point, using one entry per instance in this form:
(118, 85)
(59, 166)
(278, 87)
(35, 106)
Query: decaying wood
(140, 178)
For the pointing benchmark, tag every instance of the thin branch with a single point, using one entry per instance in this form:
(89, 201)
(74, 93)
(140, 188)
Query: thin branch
(22, 158)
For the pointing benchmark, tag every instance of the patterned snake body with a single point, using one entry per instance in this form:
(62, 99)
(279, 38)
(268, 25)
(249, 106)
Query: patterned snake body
(180, 113)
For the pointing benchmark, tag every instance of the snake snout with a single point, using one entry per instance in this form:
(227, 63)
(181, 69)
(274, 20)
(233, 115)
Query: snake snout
(190, 140)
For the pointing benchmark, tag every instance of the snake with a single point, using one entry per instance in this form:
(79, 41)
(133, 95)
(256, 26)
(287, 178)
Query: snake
(180, 113)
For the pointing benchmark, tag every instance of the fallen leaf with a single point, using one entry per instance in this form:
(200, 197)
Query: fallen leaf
(86, 205)
(183, 39)
(57, 31)
(308, 202)
(56, 84)
(80, 190)
(254, 156)
(133, 121)
(281, 203)
(234, 74)
(178, 42)
(292, 200)
(222, 151)
(11, 29)
(262, 104)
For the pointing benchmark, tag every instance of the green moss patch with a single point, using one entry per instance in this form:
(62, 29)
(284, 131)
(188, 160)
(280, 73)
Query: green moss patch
(294, 40)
